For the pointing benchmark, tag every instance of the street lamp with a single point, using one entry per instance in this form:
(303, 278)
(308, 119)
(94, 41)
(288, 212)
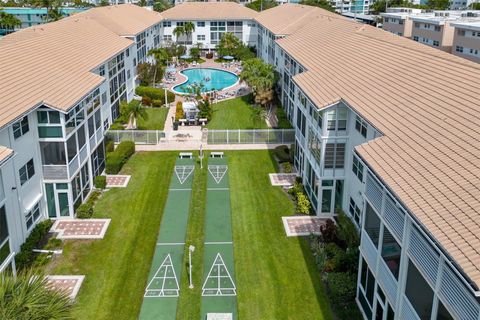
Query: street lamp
(190, 250)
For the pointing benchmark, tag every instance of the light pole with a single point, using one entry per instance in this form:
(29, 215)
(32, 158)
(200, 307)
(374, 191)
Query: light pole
(200, 155)
(190, 250)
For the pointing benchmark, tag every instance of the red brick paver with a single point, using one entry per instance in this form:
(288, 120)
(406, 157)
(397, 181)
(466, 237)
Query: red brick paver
(302, 225)
(67, 284)
(282, 179)
(117, 181)
(80, 229)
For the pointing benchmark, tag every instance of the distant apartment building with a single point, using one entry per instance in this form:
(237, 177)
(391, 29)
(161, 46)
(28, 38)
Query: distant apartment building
(33, 16)
(450, 31)
(210, 23)
(466, 40)
(352, 6)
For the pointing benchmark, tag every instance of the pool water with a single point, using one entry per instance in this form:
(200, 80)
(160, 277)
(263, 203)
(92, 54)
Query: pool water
(211, 79)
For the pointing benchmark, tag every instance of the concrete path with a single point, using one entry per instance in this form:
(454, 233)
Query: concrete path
(195, 145)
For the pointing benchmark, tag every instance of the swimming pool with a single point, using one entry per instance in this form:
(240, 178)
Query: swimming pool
(212, 79)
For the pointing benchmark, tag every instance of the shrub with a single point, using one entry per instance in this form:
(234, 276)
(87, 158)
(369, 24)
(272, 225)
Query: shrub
(26, 256)
(117, 158)
(179, 111)
(53, 243)
(110, 146)
(85, 210)
(157, 103)
(117, 126)
(282, 153)
(146, 101)
(287, 167)
(154, 93)
(297, 188)
(303, 204)
(329, 232)
(100, 182)
(342, 289)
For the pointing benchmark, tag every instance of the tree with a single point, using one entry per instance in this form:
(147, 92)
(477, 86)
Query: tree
(178, 32)
(189, 28)
(261, 77)
(324, 4)
(475, 6)
(195, 51)
(131, 111)
(54, 14)
(260, 5)
(381, 5)
(162, 5)
(28, 297)
(50, 5)
(148, 73)
(104, 3)
(438, 4)
(228, 44)
(9, 21)
(142, 3)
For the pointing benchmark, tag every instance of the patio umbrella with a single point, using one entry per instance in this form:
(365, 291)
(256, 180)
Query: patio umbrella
(185, 56)
(171, 70)
(228, 57)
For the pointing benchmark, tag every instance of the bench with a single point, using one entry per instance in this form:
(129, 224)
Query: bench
(185, 155)
(216, 154)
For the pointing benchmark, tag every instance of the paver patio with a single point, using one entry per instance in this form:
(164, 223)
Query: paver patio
(302, 225)
(69, 284)
(282, 179)
(117, 181)
(80, 228)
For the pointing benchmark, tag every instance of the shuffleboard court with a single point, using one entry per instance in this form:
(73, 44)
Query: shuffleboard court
(219, 286)
(162, 290)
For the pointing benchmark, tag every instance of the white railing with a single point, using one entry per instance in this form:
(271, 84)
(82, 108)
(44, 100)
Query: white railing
(55, 172)
(137, 136)
(368, 249)
(388, 281)
(254, 136)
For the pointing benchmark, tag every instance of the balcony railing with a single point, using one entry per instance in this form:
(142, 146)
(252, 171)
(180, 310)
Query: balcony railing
(55, 172)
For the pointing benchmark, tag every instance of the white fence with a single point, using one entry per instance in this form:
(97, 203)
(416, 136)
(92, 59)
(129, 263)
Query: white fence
(267, 136)
(137, 136)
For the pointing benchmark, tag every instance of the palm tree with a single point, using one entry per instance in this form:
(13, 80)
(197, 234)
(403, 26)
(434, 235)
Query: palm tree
(54, 14)
(28, 296)
(189, 28)
(9, 21)
(261, 77)
(228, 44)
(132, 110)
(178, 32)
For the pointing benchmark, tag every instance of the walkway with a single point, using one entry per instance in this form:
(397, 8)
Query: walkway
(195, 145)
(219, 289)
(161, 294)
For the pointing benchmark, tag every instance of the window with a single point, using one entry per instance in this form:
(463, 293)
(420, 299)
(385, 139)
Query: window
(53, 153)
(355, 212)
(200, 37)
(101, 71)
(128, 74)
(361, 126)
(438, 28)
(4, 244)
(200, 23)
(357, 168)
(372, 224)
(415, 38)
(20, 127)
(436, 43)
(48, 117)
(391, 252)
(337, 119)
(461, 32)
(127, 52)
(459, 49)
(417, 25)
(32, 216)
(167, 37)
(334, 155)
(167, 24)
(419, 292)
(26, 172)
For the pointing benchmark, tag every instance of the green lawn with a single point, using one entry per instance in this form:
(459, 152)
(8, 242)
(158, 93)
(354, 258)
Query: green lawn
(155, 121)
(235, 114)
(116, 268)
(276, 276)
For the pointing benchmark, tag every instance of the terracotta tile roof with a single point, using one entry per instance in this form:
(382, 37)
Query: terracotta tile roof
(288, 18)
(124, 19)
(5, 153)
(209, 11)
(426, 104)
(51, 64)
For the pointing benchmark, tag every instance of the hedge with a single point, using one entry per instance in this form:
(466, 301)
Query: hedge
(154, 93)
(26, 257)
(117, 158)
(110, 146)
(85, 210)
(100, 182)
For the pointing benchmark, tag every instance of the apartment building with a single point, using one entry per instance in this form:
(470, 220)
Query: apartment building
(211, 22)
(33, 16)
(383, 152)
(397, 21)
(51, 130)
(393, 141)
(466, 40)
(352, 6)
